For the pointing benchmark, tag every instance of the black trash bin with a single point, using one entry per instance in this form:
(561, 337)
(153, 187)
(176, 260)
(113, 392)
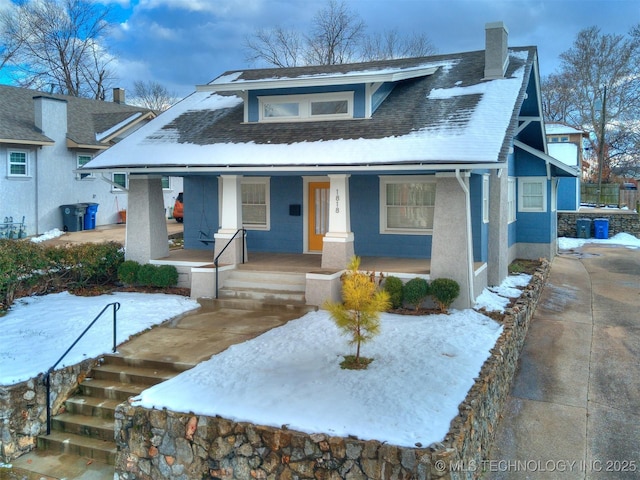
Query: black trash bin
(73, 217)
(90, 216)
(583, 227)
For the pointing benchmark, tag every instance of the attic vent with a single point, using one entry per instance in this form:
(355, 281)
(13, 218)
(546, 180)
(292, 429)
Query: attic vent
(496, 57)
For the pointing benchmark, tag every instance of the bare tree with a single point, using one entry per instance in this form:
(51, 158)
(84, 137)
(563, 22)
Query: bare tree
(390, 44)
(152, 95)
(337, 36)
(12, 35)
(598, 63)
(59, 46)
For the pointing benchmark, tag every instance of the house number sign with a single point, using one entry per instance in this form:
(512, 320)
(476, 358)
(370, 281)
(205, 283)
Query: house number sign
(337, 201)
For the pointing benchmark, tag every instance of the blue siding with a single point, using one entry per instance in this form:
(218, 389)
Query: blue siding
(568, 193)
(286, 233)
(200, 211)
(365, 224)
(358, 97)
(479, 229)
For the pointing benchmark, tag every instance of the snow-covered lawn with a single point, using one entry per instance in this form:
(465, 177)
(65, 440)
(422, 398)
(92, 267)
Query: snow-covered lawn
(38, 330)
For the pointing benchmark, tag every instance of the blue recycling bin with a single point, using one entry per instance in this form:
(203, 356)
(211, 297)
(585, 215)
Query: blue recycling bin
(601, 228)
(583, 227)
(90, 216)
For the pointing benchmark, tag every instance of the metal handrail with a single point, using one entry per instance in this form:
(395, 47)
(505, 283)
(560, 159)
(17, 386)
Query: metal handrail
(215, 260)
(47, 379)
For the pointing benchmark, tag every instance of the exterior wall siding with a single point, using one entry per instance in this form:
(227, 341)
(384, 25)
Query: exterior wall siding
(568, 194)
(200, 196)
(480, 230)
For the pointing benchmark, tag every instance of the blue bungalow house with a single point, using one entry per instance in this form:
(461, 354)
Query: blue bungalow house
(440, 160)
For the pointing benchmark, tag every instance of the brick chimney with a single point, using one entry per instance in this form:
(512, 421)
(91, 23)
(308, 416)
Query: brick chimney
(118, 95)
(496, 57)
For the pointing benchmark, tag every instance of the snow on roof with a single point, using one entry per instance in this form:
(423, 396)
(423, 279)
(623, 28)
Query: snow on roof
(567, 152)
(559, 129)
(477, 116)
(102, 135)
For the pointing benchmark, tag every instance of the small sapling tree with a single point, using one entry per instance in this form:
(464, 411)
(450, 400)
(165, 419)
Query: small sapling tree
(358, 315)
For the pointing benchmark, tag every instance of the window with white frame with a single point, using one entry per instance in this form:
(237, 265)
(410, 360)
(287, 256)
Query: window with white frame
(511, 199)
(81, 161)
(485, 198)
(320, 106)
(255, 203)
(18, 163)
(532, 194)
(120, 179)
(166, 182)
(407, 204)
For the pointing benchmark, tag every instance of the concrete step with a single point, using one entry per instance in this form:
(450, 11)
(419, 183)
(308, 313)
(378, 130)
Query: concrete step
(115, 359)
(251, 305)
(110, 390)
(91, 427)
(45, 465)
(61, 442)
(92, 406)
(264, 296)
(132, 374)
(263, 280)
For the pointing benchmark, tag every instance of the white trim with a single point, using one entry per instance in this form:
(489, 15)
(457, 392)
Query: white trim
(511, 200)
(485, 198)
(385, 180)
(304, 106)
(118, 188)
(542, 181)
(26, 163)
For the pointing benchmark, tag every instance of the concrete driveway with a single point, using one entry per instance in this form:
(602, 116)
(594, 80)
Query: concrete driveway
(574, 407)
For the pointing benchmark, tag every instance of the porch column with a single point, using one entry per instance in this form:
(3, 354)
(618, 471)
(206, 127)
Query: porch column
(337, 244)
(230, 221)
(146, 227)
(451, 247)
(498, 264)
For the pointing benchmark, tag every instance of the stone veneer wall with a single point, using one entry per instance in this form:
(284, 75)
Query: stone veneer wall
(163, 445)
(620, 221)
(23, 408)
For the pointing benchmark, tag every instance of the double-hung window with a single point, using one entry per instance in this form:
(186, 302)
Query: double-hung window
(407, 204)
(255, 203)
(82, 160)
(18, 163)
(120, 180)
(532, 194)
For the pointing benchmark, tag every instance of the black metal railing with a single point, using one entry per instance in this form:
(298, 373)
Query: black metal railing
(215, 260)
(47, 378)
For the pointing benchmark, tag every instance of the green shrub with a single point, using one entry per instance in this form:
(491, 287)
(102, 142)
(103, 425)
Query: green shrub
(444, 292)
(393, 286)
(146, 274)
(128, 272)
(165, 276)
(416, 291)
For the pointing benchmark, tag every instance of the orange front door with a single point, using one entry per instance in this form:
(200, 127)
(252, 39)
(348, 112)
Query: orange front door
(318, 214)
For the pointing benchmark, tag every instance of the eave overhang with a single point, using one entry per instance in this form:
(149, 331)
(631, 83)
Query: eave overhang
(569, 170)
(35, 143)
(320, 80)
(85, 146)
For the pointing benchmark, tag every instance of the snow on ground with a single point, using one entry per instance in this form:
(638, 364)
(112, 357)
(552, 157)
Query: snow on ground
(623, 239)
(37, 330)
(51, 234)
(423, 365)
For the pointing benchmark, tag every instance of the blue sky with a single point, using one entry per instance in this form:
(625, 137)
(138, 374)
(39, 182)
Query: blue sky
(181, 43)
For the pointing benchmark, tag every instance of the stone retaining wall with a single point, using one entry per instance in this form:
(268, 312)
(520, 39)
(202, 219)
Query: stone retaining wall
(620, 221)
(163, 445)
(23, 408)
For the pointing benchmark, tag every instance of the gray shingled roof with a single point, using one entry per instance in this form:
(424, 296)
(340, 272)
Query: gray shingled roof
(85, 117)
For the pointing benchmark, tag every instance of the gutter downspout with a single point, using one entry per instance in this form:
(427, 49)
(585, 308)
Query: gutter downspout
(467, 198)
(37, 196)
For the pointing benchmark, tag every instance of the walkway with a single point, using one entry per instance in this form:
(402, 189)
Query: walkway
(574, 408)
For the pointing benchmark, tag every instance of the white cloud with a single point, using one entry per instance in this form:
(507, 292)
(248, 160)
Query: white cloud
(219, 7)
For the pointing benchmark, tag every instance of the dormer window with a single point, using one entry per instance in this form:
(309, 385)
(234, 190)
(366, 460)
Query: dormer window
(321, 106)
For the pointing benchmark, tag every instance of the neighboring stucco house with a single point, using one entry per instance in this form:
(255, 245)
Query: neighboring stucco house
(45, 137)
(441, 159)
(565, 144)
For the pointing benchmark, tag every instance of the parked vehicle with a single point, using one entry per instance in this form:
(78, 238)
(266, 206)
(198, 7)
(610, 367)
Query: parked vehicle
(178, 209)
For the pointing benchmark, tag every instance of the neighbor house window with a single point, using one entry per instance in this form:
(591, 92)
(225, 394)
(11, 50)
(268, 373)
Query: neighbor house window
(166, 183)
(511, 199)
(485, 198)
(255, 203)
(407, 204)
(321, 106)
(82, 160)
(532, 194)
(18, 165)
(119, 179)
